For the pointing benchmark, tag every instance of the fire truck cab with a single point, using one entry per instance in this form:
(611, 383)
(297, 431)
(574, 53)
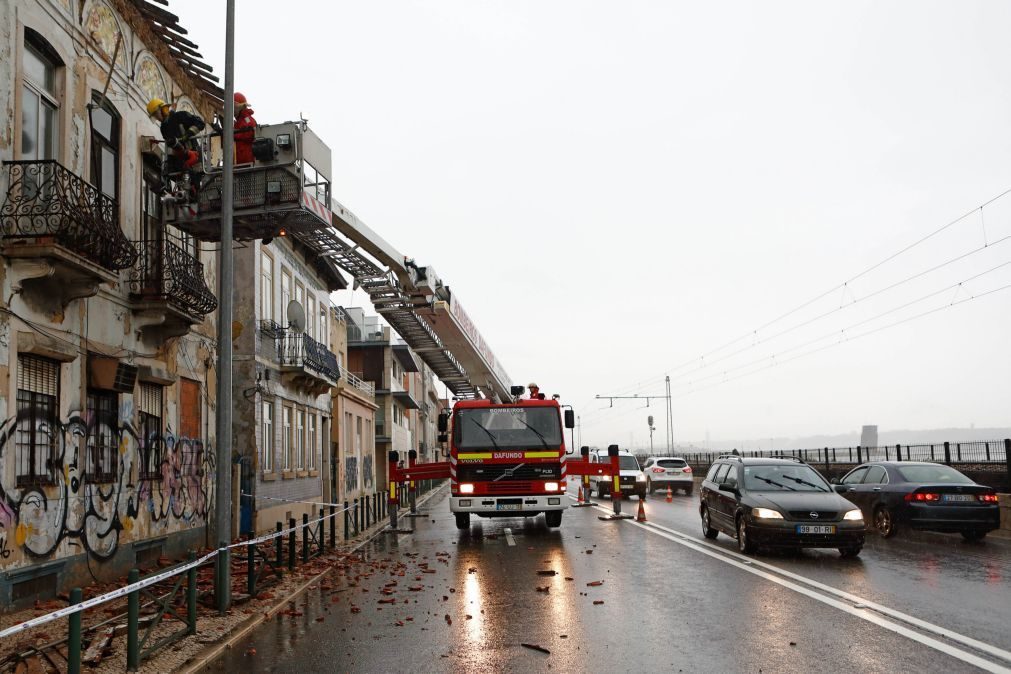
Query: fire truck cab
(507, 460)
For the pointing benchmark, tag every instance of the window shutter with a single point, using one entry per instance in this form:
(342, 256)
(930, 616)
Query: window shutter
(150, 399)
(38, 375)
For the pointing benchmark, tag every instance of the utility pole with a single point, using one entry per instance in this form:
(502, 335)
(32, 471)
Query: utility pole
(670, 420)
(223, 483)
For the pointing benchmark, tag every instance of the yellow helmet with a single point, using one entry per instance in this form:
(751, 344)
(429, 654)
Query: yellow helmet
(154, 105)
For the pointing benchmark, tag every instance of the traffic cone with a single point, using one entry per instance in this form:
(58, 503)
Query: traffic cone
(579, 490)
(641, 515)
(670, 494)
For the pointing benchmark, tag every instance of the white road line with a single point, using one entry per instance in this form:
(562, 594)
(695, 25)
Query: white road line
(509, 536)
(749, 565)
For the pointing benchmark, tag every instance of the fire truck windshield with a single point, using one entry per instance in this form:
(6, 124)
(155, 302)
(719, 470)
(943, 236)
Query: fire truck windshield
(508, 428)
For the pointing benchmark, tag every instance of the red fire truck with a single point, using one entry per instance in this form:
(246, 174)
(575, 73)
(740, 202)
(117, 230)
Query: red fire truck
(507, 459)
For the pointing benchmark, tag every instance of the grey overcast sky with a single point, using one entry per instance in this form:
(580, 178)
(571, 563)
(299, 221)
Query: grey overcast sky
(614, 189)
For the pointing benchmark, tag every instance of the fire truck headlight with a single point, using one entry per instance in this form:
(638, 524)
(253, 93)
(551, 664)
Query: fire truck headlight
(466, 489)
(465, 503)
(554, 501)
(550, 486)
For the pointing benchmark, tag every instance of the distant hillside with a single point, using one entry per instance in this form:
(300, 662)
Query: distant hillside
(885, 437)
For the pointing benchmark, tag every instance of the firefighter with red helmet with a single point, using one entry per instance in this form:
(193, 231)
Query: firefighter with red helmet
(245, 130)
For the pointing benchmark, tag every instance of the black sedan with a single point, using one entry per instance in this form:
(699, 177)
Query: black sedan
(921, 495)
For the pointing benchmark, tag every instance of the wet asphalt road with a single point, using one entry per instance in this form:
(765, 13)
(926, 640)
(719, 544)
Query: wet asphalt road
(466, 602)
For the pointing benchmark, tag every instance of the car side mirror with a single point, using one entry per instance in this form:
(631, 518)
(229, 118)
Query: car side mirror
(834, 480)
(842, 488)
(728, 487)
(570, 419)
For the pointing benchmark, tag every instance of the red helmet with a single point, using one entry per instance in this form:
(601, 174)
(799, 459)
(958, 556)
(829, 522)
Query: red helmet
(240, 100)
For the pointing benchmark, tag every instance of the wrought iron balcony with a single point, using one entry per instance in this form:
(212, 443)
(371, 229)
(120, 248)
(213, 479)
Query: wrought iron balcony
(48, 204)
(307, 363)
(166, 272)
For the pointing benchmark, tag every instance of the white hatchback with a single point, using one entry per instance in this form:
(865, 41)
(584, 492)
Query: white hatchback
(668, 471)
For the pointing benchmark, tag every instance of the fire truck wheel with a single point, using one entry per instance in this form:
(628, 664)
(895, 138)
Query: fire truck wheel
(553, 518)
(463, 521)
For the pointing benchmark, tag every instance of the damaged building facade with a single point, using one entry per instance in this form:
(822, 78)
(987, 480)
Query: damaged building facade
(107, 315)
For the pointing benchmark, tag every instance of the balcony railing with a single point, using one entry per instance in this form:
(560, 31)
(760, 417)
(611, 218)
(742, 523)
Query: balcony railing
(45, 200)
(166, 271)
(300, 350)
(356, 334)
(355, 379)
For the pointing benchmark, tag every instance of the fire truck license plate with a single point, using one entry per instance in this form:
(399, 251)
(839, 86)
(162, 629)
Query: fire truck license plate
(509, 506)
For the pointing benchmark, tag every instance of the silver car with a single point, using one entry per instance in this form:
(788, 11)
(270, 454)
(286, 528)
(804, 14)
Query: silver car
(668, 471)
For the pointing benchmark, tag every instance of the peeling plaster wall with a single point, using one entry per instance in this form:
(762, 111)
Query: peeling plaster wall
(75, 523)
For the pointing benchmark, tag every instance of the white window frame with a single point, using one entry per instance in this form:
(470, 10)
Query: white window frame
(267, 442)
(287, 412)
(311, 440)
(266, 286)
(300, 438)
(45, 97)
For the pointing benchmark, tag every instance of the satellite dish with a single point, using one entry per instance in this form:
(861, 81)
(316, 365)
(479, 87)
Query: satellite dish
(296, 316)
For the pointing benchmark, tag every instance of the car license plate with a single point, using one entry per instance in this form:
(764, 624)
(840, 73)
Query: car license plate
(673, 472)
(509, 506)
(815, 528)
(959, 497)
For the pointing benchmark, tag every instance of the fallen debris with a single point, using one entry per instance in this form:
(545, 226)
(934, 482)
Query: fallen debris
(535, 647)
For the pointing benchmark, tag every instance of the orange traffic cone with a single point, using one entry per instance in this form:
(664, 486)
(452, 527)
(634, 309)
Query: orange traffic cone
(670, 494)
(641, 515)
(579, 490)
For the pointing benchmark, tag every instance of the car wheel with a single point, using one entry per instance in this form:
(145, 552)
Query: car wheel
(850, 552)
(973, 534)
(744, 542)
(707, 525)
(463, 521)
(884, 522)
(553, 518)
(649, 486)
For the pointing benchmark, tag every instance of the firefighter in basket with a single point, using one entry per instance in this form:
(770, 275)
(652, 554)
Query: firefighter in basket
(179, 130)
(245, 130)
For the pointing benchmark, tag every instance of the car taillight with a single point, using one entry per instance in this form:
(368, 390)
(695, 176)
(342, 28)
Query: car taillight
(659, 470)
(987, 498)
(687, 469)
(921, 497)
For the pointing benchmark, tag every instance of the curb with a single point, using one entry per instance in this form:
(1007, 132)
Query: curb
(209, 655)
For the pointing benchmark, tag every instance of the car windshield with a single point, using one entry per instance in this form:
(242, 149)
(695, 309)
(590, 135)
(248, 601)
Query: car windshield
(627, 463)
(508, 428)
(783, 478)
(933, 474)
(672, 463)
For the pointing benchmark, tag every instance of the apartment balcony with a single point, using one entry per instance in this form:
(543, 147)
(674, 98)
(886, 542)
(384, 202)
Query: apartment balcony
(61, 233)
(354, 380)
(399, 393)
(170, 292)
(305, 363)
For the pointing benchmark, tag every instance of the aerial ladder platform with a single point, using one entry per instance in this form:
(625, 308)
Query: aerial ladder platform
(287, 192)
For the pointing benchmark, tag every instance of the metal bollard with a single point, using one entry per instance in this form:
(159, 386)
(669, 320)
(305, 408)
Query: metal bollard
(291, 544)
(375, 507)
(321, 535)
(392, 502)
(305, 538)
(74, 642)
(412, 459)
(347, 520)
(250, 567)
(132, 620)
(358, 515)
(333, 527)
(367, 515)
(947, 454)
(279, 547)
(191, 597)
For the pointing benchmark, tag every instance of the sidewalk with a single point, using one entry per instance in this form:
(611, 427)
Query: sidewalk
(189, 653)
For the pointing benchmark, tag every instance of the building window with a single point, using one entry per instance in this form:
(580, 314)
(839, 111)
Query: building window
(267, 442)
(286, 290)
(310, 317)
(151, 441)
(300, 438)
(370, 439)
(38, 424)
(324, 324)
(104, 146)
(310, 442)
(39, 102)
(103, 448)
(358, 434)
(151, 203)
(286, 413)
(266, 286)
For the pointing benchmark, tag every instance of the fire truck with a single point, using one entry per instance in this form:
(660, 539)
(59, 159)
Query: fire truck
(506, 459)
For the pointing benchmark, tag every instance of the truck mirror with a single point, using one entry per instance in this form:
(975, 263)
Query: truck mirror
(443, 423)
(517, 390)
(570, 419)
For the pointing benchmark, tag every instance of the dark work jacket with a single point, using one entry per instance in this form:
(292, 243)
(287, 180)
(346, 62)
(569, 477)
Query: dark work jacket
(177, 127)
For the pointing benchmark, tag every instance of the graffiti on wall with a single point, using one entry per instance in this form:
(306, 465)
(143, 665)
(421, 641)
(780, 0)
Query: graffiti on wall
(70, 507)
(368, 473)
(350, 474)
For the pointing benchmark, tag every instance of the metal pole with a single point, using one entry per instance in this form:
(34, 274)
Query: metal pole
(132, 618)
(74, 640)
(223, 486)
(670, 420)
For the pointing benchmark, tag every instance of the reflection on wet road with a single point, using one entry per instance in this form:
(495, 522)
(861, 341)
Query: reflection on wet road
(605, 595)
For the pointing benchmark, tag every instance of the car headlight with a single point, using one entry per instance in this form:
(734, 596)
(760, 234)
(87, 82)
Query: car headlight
(766, 514)
(854, 515)
(640, 478)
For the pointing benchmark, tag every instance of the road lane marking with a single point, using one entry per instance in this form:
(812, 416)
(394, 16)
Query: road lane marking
(766, 571)
(509, 536)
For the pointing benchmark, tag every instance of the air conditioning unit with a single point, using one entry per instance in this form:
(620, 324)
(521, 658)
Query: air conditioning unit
(111, 374)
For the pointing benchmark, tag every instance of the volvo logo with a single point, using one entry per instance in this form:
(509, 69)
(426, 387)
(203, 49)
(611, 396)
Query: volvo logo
(814, 515)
